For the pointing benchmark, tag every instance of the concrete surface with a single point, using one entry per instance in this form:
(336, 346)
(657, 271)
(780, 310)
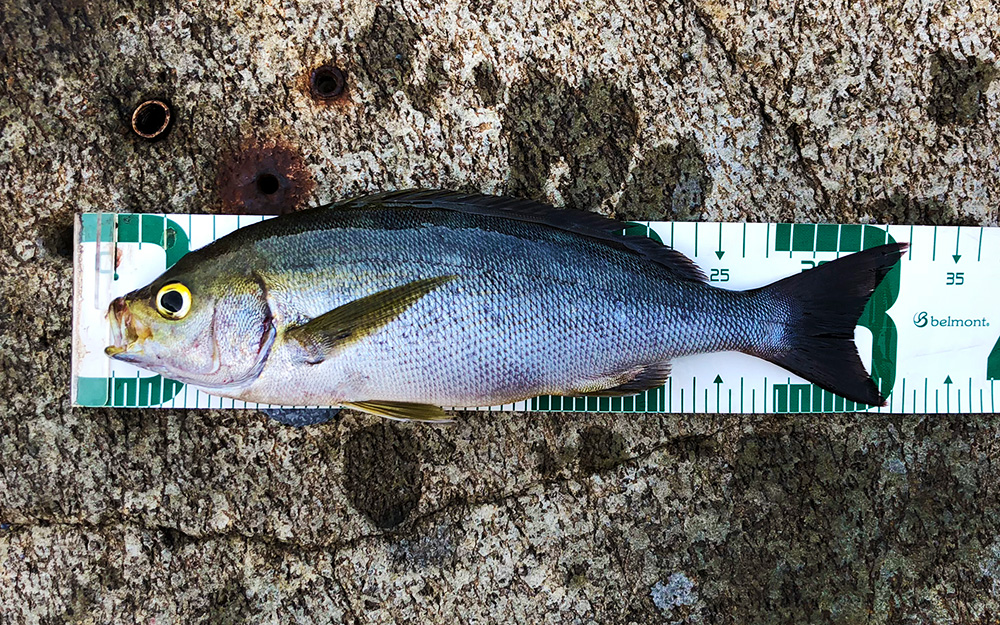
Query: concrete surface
(700, 109)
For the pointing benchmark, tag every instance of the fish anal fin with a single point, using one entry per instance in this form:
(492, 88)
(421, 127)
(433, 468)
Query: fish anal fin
(401, 411)
(631, 382)
(359, 318)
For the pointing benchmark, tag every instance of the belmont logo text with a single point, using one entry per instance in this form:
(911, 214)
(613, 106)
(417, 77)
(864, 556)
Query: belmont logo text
(922, 319)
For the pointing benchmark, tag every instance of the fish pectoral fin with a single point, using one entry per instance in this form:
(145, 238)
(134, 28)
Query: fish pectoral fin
(401, 411)
(631, 382)
(358, 319)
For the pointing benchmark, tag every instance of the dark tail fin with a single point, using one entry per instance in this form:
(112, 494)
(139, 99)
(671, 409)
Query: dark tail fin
(824, 305)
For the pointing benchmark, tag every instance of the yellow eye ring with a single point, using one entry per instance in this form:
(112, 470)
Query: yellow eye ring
(173, 301)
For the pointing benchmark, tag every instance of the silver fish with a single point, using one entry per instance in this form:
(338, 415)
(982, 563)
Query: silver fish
(400, 303)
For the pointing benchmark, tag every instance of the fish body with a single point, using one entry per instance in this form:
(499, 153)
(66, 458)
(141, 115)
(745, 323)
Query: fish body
(403, 302)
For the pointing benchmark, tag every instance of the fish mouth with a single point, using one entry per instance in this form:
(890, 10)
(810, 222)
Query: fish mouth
(125, 338)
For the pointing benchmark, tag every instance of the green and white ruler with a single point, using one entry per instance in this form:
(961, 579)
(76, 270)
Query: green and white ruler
(931, 333)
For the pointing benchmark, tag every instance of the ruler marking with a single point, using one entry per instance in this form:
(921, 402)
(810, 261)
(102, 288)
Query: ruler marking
(910, 252)
(696, 239)
(903, 397)
(764, 393)
(767, 241)
(934, 246)
(741, 395)
(670, 394)
(979, 254)
(925, 394)
(744, 239)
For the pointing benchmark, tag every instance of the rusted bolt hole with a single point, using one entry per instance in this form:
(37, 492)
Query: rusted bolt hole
(268, 184)
(151, 119)
(327, 82)
(264, 178)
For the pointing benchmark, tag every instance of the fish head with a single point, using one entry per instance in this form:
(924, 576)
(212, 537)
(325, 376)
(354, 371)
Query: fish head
(195, 328)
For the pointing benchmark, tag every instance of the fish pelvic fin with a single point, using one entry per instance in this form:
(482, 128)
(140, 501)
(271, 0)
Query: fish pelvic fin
(823, 306)
(626, 383)
(401, 411)
(359, 318)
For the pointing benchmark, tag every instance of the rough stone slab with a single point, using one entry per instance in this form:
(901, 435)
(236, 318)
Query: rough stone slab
(877, 111)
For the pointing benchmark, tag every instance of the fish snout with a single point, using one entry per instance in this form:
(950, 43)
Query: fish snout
(124, 331)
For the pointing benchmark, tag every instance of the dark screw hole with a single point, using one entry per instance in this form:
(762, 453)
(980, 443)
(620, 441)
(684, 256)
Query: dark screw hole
(57, 238)
(267, 184)
(327, 82)
(151, 119)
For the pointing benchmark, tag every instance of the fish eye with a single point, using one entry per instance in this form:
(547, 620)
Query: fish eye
(173, 301)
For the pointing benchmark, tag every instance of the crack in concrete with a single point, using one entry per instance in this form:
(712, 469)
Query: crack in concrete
(707, 26)
(794, 133)
(808, 171)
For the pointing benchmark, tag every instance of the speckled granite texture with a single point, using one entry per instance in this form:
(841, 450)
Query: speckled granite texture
(825, 110)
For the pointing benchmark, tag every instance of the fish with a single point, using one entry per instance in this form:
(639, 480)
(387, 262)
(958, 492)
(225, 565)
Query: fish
(403, 303)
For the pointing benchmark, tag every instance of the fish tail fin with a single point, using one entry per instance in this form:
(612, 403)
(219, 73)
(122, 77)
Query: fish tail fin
(823, 306)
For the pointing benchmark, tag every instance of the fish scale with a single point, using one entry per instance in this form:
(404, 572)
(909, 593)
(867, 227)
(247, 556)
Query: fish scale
(600, 326)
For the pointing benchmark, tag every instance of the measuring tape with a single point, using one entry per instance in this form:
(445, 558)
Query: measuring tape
(930, 333)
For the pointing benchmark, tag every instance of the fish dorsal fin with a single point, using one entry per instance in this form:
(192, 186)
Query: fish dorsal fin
(359, 318)
(579, 222)
(401, 411)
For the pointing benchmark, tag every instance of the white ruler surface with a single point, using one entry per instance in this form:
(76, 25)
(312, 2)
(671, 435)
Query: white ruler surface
(930, 335)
